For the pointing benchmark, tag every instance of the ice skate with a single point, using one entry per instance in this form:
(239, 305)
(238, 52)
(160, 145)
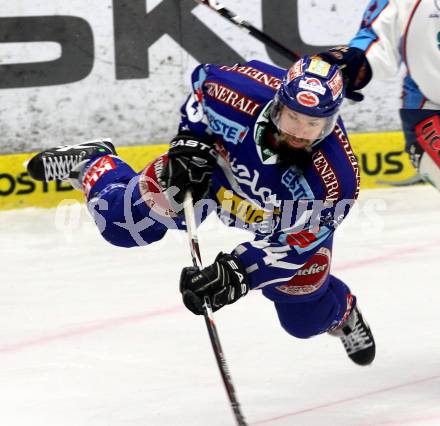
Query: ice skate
(61, 162)
(357, 338)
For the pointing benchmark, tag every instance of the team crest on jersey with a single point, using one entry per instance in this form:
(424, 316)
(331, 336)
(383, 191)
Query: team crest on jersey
(311, 276)
(307, 99)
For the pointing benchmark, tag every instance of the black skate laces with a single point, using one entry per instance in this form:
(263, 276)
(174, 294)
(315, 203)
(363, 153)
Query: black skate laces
(59, 167)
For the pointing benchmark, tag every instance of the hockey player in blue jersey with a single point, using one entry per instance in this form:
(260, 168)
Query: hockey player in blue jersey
(267, 151)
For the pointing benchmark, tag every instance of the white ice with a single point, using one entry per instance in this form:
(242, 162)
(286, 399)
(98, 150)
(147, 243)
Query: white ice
(94, 335)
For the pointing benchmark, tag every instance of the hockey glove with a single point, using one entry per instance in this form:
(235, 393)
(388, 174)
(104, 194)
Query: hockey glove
(223, 282)
(189, 167)
(354, 67)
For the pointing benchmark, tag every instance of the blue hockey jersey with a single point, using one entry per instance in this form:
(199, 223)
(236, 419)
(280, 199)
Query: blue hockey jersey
(293, 212)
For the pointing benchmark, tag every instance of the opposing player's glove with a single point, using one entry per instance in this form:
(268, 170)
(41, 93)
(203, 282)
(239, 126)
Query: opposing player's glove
(224, 282)
(189, 167)
(354, 67)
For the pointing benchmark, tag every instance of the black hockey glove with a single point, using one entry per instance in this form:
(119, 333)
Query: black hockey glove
(354, 67)
(189, 167)
(224, 282)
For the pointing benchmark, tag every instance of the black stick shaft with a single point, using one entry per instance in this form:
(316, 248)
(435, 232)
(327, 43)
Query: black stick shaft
(209, 317)
(253, 31)
(222, 365)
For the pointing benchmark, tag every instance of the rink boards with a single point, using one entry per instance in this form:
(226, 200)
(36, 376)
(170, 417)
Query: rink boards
(381, 156)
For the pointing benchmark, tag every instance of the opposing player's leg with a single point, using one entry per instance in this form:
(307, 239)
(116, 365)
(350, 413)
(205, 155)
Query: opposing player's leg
(333, 309)
(428, 136)
(128, 208)
(422, 135)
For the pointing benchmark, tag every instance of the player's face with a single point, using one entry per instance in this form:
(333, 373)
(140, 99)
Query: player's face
(299, 131)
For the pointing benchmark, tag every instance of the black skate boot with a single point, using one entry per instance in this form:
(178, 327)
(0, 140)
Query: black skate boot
(57, 163)
(357, 338)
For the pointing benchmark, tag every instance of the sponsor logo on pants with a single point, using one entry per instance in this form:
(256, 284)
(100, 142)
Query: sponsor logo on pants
(311, 276)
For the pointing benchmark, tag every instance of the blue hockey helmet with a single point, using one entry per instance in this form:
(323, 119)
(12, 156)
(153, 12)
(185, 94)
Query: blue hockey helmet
(311, 87)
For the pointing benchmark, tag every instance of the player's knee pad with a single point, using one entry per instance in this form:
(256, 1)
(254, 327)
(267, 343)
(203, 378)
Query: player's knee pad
(310, 318)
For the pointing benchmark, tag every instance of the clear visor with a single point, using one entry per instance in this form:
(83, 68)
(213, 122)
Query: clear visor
(301, 126)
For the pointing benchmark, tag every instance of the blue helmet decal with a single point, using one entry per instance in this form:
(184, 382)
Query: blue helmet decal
(313, 87)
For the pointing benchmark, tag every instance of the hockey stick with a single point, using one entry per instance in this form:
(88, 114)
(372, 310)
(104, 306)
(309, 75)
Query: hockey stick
(249, 28)
(191, 229)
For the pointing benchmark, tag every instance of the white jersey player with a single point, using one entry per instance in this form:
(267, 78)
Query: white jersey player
(391, 33)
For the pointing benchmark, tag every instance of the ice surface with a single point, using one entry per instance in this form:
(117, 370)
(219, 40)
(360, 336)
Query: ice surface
(94, 335)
